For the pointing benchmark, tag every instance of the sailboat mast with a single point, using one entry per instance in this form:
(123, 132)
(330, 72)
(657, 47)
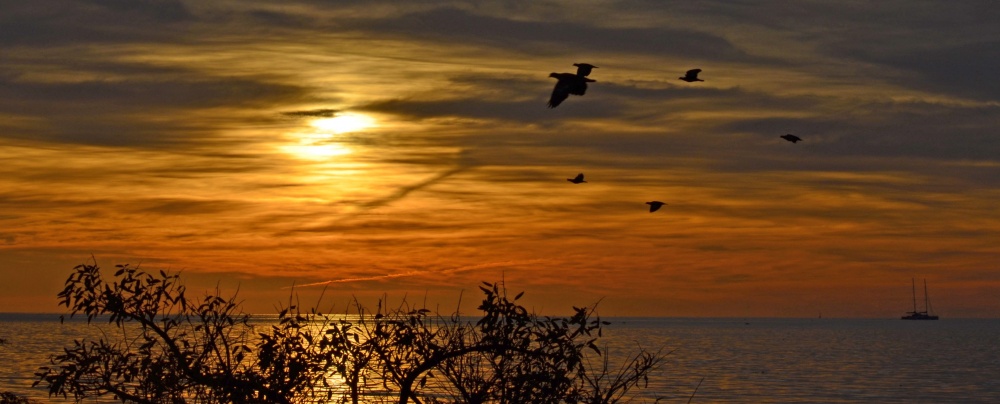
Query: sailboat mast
(913, 285)
(927, 307)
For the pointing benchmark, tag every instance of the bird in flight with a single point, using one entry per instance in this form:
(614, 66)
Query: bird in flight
(791, 138)
(576, 180)
(691, 76)
(584, 69)
(568, 83)
(655, 206)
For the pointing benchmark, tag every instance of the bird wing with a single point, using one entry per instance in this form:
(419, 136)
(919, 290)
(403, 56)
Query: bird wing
(559, 93)
(579, 177)
(693, 73)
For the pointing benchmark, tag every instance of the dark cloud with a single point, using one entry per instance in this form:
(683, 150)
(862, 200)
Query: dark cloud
(47, 201)
(274, 20)
(540, 37)
(142, 94)
(312, 113)
(503, 97)
(402, 192)
(128, 112)
(966, 70)
(524, 111)
(926, 130)
(174, 206)
(376, 226)
(157, 10)
(673, 98)
(516, 99)
(53, 22)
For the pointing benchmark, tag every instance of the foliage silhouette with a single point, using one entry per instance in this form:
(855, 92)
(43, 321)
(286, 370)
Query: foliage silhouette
(169, 348)
(7, 397)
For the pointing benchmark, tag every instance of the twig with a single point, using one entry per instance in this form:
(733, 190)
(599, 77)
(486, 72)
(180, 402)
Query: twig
(695, 390)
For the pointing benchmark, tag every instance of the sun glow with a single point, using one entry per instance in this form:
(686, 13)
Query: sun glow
(315, 146)
(322, 143)
(344, 123)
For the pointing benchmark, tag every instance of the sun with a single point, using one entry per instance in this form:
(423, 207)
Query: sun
(344, 123)
(322, 142)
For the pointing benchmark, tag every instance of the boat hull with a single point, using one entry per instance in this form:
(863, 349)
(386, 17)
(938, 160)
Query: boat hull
(919, 316)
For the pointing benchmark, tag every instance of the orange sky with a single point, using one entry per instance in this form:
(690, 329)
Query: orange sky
(210, 138)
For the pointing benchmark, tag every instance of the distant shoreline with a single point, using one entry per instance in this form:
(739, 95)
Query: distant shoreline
(21, 316)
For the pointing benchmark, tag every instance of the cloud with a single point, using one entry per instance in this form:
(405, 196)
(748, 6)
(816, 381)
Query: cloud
(965, 69)
(904, 129)
(434, 273)
(129, 112)
(312, 113)
(402, 192)
(159, 10)
(143, 93)
(544, 37)
(61, 22)
(178, 206)
(477, 109)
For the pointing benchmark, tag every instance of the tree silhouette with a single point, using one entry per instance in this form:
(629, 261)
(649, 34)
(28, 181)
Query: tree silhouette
(7, 397)
(169, 348)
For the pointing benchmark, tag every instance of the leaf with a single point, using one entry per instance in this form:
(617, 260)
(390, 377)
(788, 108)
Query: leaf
(594, 347)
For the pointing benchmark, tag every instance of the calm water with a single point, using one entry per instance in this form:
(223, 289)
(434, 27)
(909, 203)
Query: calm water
(736, 360)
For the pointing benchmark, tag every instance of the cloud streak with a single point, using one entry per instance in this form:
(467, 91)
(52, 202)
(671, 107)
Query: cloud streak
(467, 268)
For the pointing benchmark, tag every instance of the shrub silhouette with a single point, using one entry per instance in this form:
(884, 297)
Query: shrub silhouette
(172, 349)
(7, 397)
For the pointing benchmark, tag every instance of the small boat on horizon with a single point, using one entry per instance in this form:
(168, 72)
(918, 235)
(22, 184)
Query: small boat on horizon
(920, 315)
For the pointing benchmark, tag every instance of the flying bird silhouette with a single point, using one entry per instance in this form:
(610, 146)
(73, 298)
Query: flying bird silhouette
(584, 69)
(791, 138)
(655, 206)
(568, 83)
(576, 180)
(691, 76)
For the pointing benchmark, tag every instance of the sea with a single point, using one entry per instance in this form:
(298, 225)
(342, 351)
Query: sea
(707, 360)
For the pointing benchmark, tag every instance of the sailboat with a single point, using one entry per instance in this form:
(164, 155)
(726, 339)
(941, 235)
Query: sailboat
(920, 315)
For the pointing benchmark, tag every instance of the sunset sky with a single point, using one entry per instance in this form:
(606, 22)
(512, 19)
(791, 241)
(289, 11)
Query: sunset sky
(404, 149)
